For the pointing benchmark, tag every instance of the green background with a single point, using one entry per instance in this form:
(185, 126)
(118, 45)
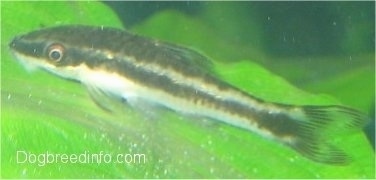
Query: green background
(40, 112)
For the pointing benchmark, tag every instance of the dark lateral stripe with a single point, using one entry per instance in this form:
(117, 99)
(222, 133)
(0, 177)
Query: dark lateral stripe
(197, 78)
(276, 124)
(156, 65)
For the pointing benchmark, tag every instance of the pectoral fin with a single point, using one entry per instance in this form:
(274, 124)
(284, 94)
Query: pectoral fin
(105, 100)
(114, 103)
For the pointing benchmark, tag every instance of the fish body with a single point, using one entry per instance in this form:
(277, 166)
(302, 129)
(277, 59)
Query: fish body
(132, 69)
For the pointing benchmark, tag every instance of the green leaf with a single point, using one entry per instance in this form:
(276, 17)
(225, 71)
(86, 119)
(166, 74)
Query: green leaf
(342, 86)
(40, 113)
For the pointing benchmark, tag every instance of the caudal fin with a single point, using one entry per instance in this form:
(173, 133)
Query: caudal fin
(321, 125)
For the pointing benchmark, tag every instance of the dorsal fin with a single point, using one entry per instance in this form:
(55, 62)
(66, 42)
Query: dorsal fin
(191, 58)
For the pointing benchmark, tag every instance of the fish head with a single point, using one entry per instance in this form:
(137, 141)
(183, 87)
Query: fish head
(50, 49)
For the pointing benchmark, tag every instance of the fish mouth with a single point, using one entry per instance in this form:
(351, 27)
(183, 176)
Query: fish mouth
(15, 42)
(19, 45)
(16, 45)
(23, 54)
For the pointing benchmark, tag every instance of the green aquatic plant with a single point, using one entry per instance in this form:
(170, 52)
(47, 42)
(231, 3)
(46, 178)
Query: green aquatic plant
(41, 113)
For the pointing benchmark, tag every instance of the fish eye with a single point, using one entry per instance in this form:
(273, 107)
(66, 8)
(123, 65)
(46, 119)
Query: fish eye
(55, 52)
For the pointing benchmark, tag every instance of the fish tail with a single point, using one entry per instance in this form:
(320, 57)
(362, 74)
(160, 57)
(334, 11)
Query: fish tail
(321, 125)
